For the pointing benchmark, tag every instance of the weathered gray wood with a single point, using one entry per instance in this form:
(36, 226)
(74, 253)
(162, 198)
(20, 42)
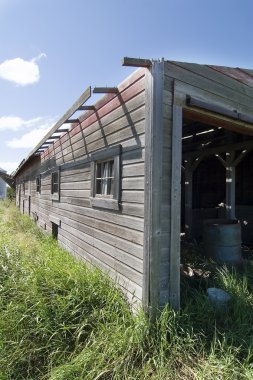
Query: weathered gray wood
(187, 76)
(127, 271)
(112, 239)
(82, 99)
(132, 196)
(181, 89)
(112, 229)
(215, 76)
(230, 192)
(86, 108)
(219, 149)
(110, 204)
(119, 118)
(133, 170)
(112, 252)
(133, 290)
(136, 62)
(55, 220)
(176, 161)
(105, 90)
(84, 185)
(188, 201)
(136, 183)
(153, 188)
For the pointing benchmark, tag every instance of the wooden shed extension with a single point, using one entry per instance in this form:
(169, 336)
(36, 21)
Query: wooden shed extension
(109, 188)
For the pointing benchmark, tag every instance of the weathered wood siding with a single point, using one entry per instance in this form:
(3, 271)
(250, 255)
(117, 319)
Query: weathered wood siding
(209, 85)
(113, 240)
(212, 86)
(162, 191)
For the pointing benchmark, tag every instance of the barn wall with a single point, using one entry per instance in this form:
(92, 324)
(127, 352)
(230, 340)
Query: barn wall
(111, 239)
(212, 86)
(207, 84)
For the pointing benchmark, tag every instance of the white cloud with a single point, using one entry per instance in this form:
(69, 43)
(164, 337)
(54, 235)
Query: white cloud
(9, 166)
(15, 123)
(28, 140)
(20, 71)
(39, 127)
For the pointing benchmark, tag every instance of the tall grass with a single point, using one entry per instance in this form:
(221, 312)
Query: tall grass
(60, 320)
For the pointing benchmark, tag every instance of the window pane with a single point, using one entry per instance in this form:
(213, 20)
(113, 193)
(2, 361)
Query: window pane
(55, 188)
(103, 169)
(104, 186)
(98, 189)
(104, 177)
(111, 167)
(55, 182)
(98, 170)
(110, 186)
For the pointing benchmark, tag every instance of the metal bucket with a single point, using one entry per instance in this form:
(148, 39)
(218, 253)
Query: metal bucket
(218, 297)
(222, 240)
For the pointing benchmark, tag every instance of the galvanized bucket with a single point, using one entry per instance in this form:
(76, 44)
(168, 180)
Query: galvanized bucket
(222, 240)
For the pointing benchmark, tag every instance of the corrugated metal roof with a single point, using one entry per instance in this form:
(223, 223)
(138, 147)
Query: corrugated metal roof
(241, 75)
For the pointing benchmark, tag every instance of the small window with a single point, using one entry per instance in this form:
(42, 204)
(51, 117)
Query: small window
(104, 178)
(23, 188)
(55, 185)
(55, 231)
(38, 184)
(105, 191)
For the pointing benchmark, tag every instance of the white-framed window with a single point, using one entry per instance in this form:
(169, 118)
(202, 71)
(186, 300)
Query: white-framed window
(106, 178)
(55, 185)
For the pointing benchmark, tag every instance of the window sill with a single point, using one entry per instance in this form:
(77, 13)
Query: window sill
(111, 204)
(55, 197)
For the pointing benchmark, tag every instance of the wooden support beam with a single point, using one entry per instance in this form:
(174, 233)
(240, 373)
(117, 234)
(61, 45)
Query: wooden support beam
(205, 152)
(70, 121)
(230, 183)
(193, 102)
(234, 114)
(241, 156)
(175, 215)
(136, 62)
(49, 142)
(82, 99)
(188, 198)
(221, 159)
(86, 108)
(230, 192)
(105, 90)
(63, 130)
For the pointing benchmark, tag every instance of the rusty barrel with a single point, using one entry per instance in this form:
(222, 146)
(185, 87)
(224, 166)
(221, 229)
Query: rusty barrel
(222, 240)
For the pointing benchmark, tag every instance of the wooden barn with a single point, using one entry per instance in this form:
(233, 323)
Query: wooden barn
(116, 182)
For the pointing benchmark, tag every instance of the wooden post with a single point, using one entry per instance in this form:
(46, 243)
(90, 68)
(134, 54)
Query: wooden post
(230, 191)
(153, 189)
(190, 166)
(188, 201)
(176, 162)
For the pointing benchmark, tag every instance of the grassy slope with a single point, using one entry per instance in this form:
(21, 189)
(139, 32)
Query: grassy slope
(60, 320)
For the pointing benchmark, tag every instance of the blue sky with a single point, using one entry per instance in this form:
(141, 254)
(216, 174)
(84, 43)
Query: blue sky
(51, 50)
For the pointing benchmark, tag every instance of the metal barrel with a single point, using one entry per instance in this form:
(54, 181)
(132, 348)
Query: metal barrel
(222, 240)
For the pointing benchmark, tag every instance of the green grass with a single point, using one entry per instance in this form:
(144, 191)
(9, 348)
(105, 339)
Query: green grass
(60, 320)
